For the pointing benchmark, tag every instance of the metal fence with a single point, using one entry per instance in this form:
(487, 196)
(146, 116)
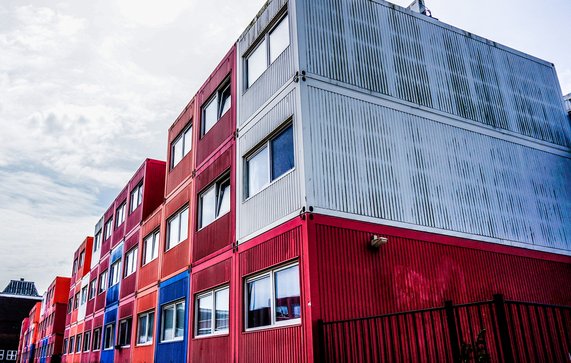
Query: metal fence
(489, 331)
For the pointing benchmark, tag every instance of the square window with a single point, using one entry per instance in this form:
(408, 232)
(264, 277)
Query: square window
(172, 321)
(136, 197)
(125, 332)
(181, 145)
(151, 247)
(272, 159)
(214, 202)
(177, 228)
(130, 261)
(212, 312)
(273, 298)
(145, 327)
(109, 336)
(216, 107)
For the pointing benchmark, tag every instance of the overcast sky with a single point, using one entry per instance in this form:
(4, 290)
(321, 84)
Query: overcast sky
(88, 90)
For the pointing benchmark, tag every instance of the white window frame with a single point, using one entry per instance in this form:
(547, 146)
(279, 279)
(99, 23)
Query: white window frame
(71, 346)
(98, 341)
(130, 261)
(1, 354)
(108, 229)
(146, 315)
(103, 281)
(136, 197)
(264, 40)
(86, 339)
(181, 137)
(84, 294)
(213, 331)
(97, 241)
(271, 273)
(111, 327)
(11, 354)
(217, 98)
(120, 214)
(78, 343)
(92, 289)
(225, 179)
(129, 322)
(162, 331)
(267, 144)
(178, 215)
(114, 273)
(154, 239)
(81, 259)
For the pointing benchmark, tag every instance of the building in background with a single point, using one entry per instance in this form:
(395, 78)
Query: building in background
(16, 300)
(355, 181)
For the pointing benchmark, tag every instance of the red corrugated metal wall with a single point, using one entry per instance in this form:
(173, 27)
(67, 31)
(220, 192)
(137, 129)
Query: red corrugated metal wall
(148, 274)
(177, 258)
(184, 169)
(145, 302)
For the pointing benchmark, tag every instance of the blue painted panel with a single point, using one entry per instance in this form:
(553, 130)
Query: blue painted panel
(107, 355)
(173, 289)
(112, 296)
(32, 352)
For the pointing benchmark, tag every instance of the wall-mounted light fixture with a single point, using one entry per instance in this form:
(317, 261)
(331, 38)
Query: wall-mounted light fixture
(377, 241)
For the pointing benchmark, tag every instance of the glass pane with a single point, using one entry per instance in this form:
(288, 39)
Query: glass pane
(204, 325)
(208, 207)
(209, 115)
(258, 173)
(282, 153)
(139, 194)
(225, 100)
(150, 325)
(259, 302)
(222, 309)
(176, 153)
(279, 39)
(179, 328)
(287, 294)
(168, 323)
(256, 63)
(183, 225)
(187, 141)
(142, 330)
(224, 198)
(155, 251)
(148, 253)
(173, 232)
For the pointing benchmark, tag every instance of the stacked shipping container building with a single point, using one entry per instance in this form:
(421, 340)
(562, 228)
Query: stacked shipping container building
(345, 160)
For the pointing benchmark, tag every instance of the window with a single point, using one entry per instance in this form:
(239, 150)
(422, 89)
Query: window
(214, 202)
(151, 247)
(125, 332)
(97, 242)
(120, 215)
(212, 312)
(270, 47)
(103, 281)
(130, 261)
(71, 345)
(86, 341)
(136, 197)
(108, 228)
(216, 107)
(273, 298)
(81, 258)
(96, 344)
(115, 273)
(270, 161)
(84, 295)
(172, 322)
(64, 351)
(70, 305)
(78, 343)
(181, 145)
(177, 228)
(1, 354)
(145, 328)
(11, 354)
(109, 336)
(74, 266)
(76, 301)
(92, 289)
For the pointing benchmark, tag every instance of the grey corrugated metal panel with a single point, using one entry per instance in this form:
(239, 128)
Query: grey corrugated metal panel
(276, 76)
(379, 162)
(259, 24)
(99, 226)
(391, 51)
(284, 195)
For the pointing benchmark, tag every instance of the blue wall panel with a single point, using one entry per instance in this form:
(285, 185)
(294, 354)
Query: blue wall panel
(112, 296)
(107, 355)
(175, 288)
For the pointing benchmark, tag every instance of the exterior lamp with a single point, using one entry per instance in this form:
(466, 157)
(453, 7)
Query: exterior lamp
(377, 241)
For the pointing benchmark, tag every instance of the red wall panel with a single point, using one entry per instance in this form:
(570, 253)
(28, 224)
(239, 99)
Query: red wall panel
(183, 170)
(154, 186)
(100, 298)
(149, 273)
(148, 301)
(272, 345)
(212, 276)
(119, 231)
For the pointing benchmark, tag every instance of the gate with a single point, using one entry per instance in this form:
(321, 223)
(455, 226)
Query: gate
(489, 331)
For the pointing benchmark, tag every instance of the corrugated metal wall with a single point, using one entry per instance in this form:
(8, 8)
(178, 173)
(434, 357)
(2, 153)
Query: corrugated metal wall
(283, 196)
(378, 162)
(277, 74)
(382, 48)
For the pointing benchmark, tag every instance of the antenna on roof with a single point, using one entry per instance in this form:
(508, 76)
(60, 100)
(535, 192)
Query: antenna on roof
(420, 7)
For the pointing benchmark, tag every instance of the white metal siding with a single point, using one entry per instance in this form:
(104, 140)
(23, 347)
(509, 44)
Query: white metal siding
(375, 161)
(383, 48)
(283, 196)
